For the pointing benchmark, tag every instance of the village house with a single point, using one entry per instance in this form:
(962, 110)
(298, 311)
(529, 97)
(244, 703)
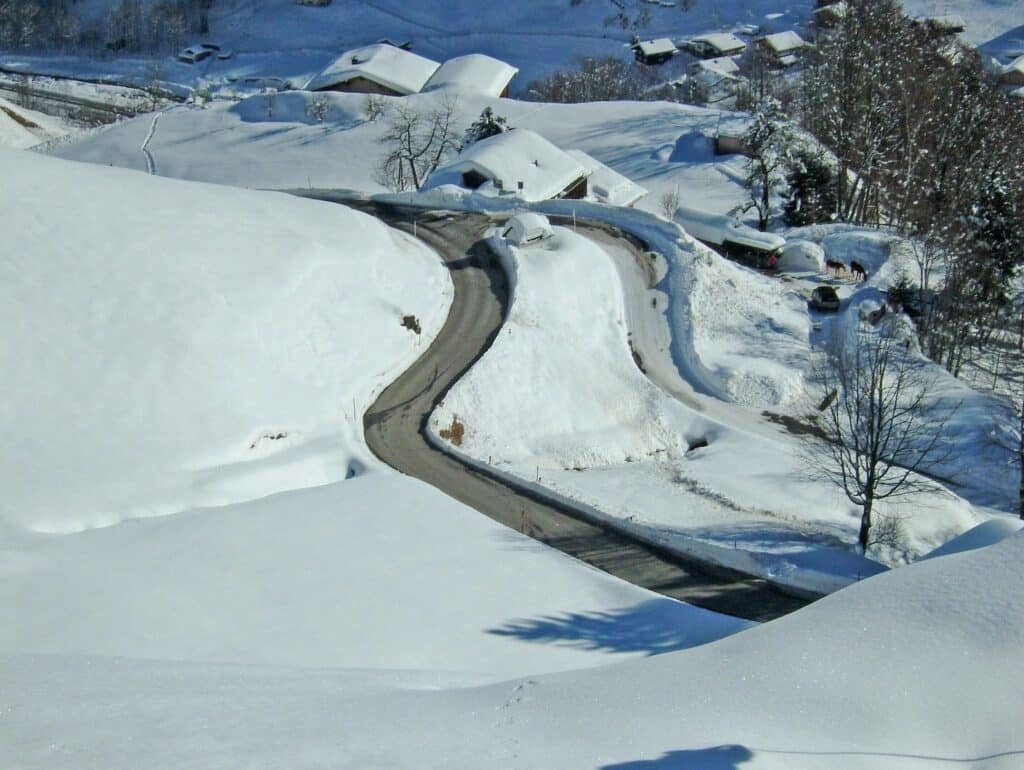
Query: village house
(474, 72)
(518, 162)
(723, 67)
(783, 48)
(714, 45)
(654, 51)
(376, 69)
(606, 185)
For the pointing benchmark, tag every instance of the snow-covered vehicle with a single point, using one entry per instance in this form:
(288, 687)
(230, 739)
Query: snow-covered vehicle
(527, 229)
(824, 298)
(197, 53)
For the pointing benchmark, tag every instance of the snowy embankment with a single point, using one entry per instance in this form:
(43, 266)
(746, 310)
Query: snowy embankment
(910, 670)
(171, 345)
(21, 129)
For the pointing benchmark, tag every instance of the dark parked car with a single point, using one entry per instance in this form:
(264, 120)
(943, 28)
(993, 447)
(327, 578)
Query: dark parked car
(824, 298)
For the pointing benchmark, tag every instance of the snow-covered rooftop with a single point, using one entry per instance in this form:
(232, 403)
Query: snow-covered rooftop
(474, 72)
(718, 228)
(723, 42)
(784, 42)
(950, 22)
(722, 66)
(394, 68)
(1017, 65)
(606, 184)
(657, 47)
(516, 161)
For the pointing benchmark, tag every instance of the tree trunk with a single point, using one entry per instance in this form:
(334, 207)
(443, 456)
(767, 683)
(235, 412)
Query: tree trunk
(865, 526)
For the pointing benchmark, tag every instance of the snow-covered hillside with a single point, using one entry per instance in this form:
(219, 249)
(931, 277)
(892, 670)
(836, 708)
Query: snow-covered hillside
(915, 669)
(173, 345)
(210, 351)
(21, 129)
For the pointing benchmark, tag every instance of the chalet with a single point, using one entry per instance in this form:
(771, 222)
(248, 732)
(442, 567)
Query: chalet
(376, 69)
(654, 51)
(722, 67)
(1013, 74)
(605, 185)
(475, 72)
(714, 45)
(831, 15)
(518, 162)
(784, 48)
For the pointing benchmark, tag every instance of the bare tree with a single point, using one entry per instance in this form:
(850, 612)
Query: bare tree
(375, 106)
(669, 203)
(318, 108)
(416, 143)
(881, 427)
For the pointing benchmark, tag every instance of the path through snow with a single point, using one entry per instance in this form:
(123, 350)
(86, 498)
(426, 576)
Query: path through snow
(150, 162)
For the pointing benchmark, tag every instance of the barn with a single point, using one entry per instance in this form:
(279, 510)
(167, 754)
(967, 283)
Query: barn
(376, 69)
(1013, 74)
(518, 162)
(654, 51)
(606, 185)
(474, 72)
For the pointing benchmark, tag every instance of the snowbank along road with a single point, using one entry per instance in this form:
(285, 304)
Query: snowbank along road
(396, 427)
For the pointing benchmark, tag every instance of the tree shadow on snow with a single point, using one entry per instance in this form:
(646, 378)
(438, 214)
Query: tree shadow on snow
(652, 627)
(714, 758)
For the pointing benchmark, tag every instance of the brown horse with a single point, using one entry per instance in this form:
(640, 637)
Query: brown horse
(858, 270)
(835, 266)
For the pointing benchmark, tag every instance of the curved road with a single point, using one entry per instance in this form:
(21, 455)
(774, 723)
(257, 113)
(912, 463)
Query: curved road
(396, 426)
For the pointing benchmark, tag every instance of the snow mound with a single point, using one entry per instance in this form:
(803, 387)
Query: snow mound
(201, 352)
(800, 255)
(985, 534)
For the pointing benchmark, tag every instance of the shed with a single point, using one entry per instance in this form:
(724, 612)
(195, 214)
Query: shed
(1013, 74)
(606, 185)
(726, 232)
(474, 72)
(520, 162)
(526, 229)
(654, 51)
(376, 69)
(945, 24)
(715, 44)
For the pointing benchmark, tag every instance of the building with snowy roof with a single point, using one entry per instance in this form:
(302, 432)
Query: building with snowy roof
(606, 185)
(517, 162)
(715, 44)
(718, 68)
(376, 69)
(1013, 74)
(783, 47)
(474, 72)
(945, 24)
(654, 51)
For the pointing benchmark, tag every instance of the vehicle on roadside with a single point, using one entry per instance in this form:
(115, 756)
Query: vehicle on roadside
(200, 52)
(824, 298)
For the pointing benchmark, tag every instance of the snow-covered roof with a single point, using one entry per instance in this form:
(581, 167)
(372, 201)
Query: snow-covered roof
(475, 72)
(514, 158)
(837, 10)
(722, 66)
(1017, 65)
(784, 42)
(950, 22)
(723, 42)
(719, 228)
(401, 71)
(656, 47)
(606, 184)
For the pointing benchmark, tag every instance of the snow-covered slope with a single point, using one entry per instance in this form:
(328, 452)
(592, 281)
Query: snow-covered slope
(211, 350)
(21, 129)
(915, 669)
(172, 345)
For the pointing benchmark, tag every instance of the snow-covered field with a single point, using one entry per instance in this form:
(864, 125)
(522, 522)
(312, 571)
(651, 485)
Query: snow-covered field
(185, 479)
(915, 669)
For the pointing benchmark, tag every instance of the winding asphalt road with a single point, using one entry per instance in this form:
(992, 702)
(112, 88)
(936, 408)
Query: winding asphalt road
(396, 426)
